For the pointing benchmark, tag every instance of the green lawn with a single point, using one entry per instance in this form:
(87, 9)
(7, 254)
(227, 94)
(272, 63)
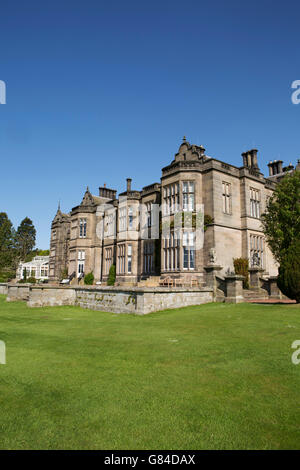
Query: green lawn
(216, 376)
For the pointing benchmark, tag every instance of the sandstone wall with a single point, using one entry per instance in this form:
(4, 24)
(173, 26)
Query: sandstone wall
(51, 296)
(3, 288)
(140, 300)
(111, 299)
(17, 292)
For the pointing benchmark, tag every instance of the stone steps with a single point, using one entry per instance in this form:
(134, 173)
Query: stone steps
(255, 294)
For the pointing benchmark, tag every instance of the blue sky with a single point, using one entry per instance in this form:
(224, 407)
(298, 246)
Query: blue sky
(99, 91)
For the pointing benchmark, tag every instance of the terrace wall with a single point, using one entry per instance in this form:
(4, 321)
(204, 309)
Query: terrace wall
(17, 292)
(112, 299)
(141, 300)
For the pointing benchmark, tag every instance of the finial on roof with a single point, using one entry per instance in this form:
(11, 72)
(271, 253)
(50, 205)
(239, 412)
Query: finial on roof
(184, 138)
(104, 185)
(87, 188)
(58, 205)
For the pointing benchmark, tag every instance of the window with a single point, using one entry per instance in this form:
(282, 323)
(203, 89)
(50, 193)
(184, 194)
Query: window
(53, 234)
(148, 214)
(256, 250)
(122, 219)
(81, 260)
(148, 257)
(109, 225)
(108, 259)
(129, 254)
(254, 203)
(171, 253)
(82, 228)
(171, 198)
(188, 195)
(44, 271)
(226, 194)
(188, 250)
(121, 259)
(130, 218)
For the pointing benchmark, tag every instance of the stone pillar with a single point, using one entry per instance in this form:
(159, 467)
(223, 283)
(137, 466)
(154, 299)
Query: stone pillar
(234, 287)
(274, 290)
(210, 276)
(255, 275)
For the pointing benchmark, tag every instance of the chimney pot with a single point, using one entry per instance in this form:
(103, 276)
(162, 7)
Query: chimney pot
(128, 184)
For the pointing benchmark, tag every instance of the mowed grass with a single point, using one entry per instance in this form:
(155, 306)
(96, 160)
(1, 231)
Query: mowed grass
(214, 376)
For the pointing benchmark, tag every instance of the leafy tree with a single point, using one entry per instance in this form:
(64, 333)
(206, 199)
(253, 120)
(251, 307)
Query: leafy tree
(36, 252)
(25, 237)
(111, 276)
(289, 272)
(6, 241)
(43, 252)
(281, 221)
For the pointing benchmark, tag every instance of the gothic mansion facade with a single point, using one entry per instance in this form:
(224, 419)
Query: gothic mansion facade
(232, 197)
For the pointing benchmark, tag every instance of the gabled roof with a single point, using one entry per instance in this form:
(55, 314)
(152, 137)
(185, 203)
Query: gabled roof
(60, 216)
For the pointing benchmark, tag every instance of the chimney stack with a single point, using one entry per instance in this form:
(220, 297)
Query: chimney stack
(128, 184)
(201, 150)
(250, 159)
(275, 167)
(107, 192)
(270, 165)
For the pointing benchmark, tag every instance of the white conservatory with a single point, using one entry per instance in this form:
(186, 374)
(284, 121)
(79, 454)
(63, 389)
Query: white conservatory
(38, 267)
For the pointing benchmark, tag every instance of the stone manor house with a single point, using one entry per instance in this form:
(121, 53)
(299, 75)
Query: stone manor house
(233, 199)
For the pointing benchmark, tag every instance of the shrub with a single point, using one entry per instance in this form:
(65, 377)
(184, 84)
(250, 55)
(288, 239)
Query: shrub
(241, 266)
(288, 279)
(89, 279)
(32, 280)
(111, 276)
